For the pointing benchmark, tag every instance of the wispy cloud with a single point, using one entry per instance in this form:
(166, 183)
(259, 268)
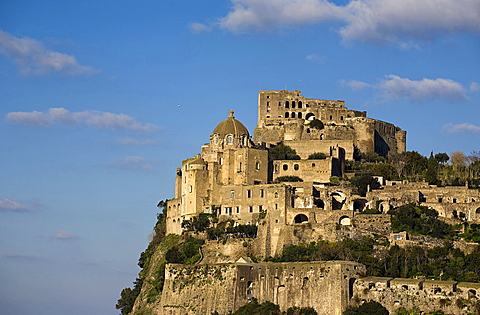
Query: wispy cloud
(474, 86)
(395, 87)
(316, 58)
(355, 85)
(14, 256)
(32, 57)
(198, 28)
(96, 119)
(132, 141)
(15, 206)
(132, 163)
(65, 235)
(461, 128)
(386, 21)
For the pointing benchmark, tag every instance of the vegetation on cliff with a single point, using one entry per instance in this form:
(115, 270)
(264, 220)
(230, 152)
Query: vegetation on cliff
(269, 308)
(420, 220)
(441, 262)
(282, 152)
(438, 169)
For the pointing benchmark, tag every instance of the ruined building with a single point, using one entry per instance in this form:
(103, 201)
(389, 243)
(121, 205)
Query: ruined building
(233, 178)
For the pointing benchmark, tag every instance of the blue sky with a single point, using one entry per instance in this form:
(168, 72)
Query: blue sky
(101, 100)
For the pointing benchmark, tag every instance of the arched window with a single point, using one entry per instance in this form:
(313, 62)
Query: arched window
(229, 139)
(287, 104)
(285, 167)
(293, 115)
(296, 167)
(300, 218)
(299, 115)
(287, 115)
(299, 104)
(293, 104)
(344, 220)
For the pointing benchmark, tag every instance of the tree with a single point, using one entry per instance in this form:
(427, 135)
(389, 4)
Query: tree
(289, 179)
(413, 163)
(367, 308)
(363, 182)
(458, 158)
(282, 152)
(431, 175)
(442, 158)
(295, 310)
(317, 156)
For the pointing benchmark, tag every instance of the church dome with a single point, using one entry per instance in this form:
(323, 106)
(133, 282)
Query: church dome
(231, 126)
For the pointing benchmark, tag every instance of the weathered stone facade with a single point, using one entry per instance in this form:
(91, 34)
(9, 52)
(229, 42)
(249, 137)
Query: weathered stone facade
(233, 178)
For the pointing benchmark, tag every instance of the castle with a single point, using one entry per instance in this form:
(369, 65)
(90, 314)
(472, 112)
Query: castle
(234, 179)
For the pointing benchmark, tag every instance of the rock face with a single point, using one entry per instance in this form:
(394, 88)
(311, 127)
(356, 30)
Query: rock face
(203, 289)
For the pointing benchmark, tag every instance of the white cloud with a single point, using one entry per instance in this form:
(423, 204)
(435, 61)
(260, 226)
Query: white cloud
(11, 205)
(393, 20)
(91, 118)
(198, 28)
(33, 58)
(461, 128)
(395, 87)
(132, 163)
(381, 21)
(132, 141)
(270, 14)
(65, 235)
(356, 85)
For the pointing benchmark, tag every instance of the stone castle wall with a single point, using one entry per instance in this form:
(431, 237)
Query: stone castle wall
(203, 289)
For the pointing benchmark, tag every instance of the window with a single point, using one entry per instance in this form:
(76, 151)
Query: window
(250, 208)
(293, 104)
(285, 167)
(293, 115)
(232, 194)
(229, 139)
(190, 188)
(249, 193)
(262, 193)
(287, 115)
(287, 104)
(260, 208)
(257, 165)
(299, 104)
(239, 166)
(276, 206)
(331, 117)
(221, 161)
(279, 103)
(215, 139)
(299, 115)
(296, 167)
(237, 209)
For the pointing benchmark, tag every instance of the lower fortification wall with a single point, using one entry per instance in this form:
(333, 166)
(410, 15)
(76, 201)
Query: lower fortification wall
(427, 295)
(203, 289)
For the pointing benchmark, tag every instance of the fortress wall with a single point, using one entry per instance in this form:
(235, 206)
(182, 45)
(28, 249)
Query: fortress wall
(203, 289)
(448, 296)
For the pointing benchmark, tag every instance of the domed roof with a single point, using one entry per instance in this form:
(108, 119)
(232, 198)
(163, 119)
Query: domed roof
(230, 126)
